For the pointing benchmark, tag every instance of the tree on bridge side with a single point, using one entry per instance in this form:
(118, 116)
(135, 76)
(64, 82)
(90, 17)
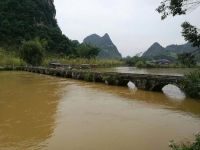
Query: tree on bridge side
(32, 52)
(189, 32)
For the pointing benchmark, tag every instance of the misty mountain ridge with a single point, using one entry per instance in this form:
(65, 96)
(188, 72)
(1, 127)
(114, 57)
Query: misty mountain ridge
(156, 51)
(108, 49)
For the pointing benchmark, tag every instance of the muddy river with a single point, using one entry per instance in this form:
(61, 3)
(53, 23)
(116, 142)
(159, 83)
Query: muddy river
(41, 112)
(160, 71)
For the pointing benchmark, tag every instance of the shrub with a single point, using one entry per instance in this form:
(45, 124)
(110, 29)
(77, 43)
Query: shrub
(149, 65)
(88, 77)
(54, 72)
(191, 84)
(75, 73)
(188, 146)
(183, 66)
(118, 77)
(139, 64)
(106, 78)
(174, 65)
(32, 52)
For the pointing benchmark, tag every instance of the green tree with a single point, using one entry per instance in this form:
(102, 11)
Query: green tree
(181, 7)
(187, 59)
(43, 42)
(87, 51)
(131, 61)
(191, 84)
(139, 64)
(189, 32)
(32, 52)
(27, 19)
(65, 47)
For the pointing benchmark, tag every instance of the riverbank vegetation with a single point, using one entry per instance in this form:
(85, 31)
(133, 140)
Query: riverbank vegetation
(191, 85)
(186, 146)
(13, 60)
(139, 62)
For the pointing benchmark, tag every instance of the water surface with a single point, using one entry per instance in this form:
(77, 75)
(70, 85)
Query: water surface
(41, 112)
(159, 71)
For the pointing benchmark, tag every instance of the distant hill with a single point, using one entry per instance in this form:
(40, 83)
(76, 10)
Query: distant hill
(108, 49)
(181, 48)
(156, 51)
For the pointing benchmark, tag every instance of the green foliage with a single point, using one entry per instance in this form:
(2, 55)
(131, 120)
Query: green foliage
(139, 64)
(175, 7)
(108, 49)
(62, 73)
(106, 77)
(187, 59)
(26, 19)
(172, 7)
(95, 76)
(32, 52)
(186, 146)
(157, 52)
(183, 66)
(87, 51)
(190, 33)
(118, 77)
(43, 42)
(1, 53)
(8, 59)
(191, 84)
(131, 61)
(54, 72)
(178, 49)
(149, 65)
(88, 77)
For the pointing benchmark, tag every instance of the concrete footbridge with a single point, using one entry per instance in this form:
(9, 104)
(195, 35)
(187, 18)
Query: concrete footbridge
(142, 81)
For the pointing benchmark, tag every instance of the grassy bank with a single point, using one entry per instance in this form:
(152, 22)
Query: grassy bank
(12, 61)
(101, 63)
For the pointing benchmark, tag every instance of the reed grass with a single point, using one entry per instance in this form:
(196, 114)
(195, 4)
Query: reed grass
(100, 63)
(11, 61)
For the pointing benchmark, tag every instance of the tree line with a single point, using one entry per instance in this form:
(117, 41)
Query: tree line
(34, 51)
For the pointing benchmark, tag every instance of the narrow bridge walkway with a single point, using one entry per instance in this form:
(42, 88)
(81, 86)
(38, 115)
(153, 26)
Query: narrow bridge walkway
(141, 81)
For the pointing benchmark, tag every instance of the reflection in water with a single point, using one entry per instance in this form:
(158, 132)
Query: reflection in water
(173, 91)
(132, 86)
(44, 112)
(160, 71)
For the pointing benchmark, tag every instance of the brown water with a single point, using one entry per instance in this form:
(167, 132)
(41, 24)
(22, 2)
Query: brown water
(161, 71)
(41, 112)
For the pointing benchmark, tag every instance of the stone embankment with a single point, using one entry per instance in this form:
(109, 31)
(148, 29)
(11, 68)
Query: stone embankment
(141, 81)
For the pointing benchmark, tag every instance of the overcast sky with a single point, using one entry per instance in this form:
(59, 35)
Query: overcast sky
(133, 25)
